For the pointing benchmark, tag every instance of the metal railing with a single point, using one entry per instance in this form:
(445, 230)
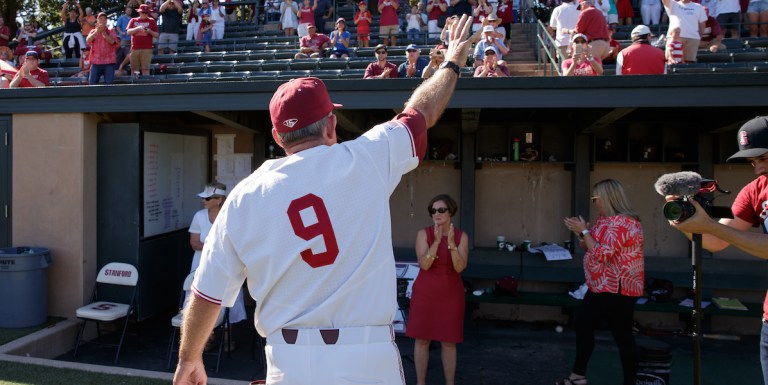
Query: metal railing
(547, 55)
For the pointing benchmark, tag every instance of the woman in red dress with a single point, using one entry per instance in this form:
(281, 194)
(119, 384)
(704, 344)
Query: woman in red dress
(437, 299)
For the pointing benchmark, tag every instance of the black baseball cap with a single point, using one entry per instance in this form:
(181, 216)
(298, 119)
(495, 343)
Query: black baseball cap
(752, 138)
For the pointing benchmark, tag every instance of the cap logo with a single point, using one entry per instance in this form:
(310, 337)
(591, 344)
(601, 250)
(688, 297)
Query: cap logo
(290, 122)
(743, 138)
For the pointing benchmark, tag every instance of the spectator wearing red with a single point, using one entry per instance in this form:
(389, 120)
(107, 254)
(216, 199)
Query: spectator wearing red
(313, 44)
(104, 43)
(142, 30)
(363, 20)
(435, 9)
(713, 35)
(389, 23)
(30, 74)
(381, 68)
(641, 58)
(5, 33)
(505, 12)
(582, 61)
(592, 23)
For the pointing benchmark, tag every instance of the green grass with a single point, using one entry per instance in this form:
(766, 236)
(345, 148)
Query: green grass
(7, 335)
(12, 373)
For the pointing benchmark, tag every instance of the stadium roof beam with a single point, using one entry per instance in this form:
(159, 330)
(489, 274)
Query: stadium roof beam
(233, 119)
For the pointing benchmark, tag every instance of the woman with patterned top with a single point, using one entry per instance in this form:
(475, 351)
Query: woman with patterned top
(615, 272)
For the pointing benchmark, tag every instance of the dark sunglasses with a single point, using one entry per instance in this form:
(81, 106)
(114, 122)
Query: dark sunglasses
(441, 210)
(412, 50)
(380, 52)
(209, 198)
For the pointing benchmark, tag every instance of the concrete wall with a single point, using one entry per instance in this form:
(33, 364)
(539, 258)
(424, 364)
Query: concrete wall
(54, 200)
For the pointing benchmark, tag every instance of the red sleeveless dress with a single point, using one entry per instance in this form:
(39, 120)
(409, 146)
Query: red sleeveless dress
(437, 298)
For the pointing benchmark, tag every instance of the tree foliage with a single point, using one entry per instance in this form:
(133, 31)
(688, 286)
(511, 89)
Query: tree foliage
(47, 12)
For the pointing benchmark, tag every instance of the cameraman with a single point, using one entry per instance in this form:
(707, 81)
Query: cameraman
(750, 209)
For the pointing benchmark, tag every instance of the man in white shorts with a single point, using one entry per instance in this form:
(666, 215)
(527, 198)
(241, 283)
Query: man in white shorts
(312, 234)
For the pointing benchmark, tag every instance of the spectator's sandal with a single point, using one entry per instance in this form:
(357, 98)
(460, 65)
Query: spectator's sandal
(572, 381)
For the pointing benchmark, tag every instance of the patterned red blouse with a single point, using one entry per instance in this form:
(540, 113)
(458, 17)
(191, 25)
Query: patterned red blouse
(616, 262)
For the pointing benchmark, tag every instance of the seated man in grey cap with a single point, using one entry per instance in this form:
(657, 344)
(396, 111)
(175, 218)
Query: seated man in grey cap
(414, 64)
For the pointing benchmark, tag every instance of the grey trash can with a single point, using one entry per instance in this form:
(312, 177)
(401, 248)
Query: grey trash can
(23, 286)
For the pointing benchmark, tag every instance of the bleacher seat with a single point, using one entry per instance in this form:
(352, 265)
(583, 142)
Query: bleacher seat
(147, 79)
(186, 57)
(236, 56)
(262, 55)
(357, 63)
(729, 67)
(210, 56)
(467, 72)
(716, 57)
(192, 67)
(692, 68)
(327, 74)
(67, 72)
(352, 73)
(177, 78)
(293, 74)
(220, 66)
(734, 43)
(204, 77)
(759, 67)
(263, 75)
(123, 80)
(255, 46)
(755, 42)
(364, 52)
(332, 64)
(275, 65)
(397, 60)
(251, 65)
(162, 58)
(234, 76)
(303, 64)
(288, 53)
(749, 55)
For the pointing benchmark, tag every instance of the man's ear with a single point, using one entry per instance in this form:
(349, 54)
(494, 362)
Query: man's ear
(330, 130)
(276, 137)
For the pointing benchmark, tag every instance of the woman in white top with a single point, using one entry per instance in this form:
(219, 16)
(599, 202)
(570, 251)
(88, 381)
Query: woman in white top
(288, 19)
(217, 16)
(213, 196)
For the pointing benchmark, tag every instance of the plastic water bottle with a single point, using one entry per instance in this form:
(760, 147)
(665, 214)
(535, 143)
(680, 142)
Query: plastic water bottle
(516, 149)
(660, 42)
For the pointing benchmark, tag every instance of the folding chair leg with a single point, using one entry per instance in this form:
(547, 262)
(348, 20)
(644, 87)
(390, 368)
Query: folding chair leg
(170, 347)
(122, 338)
(79, 336)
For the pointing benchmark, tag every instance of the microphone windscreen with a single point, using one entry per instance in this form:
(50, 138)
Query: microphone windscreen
(679, 183)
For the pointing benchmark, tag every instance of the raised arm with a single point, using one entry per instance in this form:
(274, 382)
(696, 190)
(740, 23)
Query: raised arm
(433, 95)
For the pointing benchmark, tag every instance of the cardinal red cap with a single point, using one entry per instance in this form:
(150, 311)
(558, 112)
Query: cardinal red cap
(299, 103)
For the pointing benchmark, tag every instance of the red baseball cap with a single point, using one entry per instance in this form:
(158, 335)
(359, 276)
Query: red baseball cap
(144, 9)
(299, 103)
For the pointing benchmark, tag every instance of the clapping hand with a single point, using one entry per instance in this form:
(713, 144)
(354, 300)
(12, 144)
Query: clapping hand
(451, 238)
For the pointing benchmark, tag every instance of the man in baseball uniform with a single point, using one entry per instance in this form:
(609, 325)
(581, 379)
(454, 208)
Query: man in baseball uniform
(312, 234)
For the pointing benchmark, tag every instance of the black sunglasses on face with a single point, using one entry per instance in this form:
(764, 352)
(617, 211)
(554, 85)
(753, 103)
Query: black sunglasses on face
(380, 52)
(441, 210)
(209, 198)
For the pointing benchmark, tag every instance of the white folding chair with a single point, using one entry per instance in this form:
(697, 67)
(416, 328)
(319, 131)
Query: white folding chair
(102, 309)
(222, 324)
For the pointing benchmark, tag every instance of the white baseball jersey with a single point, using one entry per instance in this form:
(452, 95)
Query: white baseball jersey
(312, 233)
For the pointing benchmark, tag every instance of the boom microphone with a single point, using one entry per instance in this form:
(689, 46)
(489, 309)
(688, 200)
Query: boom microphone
(682, 183)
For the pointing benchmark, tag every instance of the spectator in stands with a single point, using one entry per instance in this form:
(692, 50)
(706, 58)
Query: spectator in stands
(5, 33)
(436, 57)
(36, 26)
(272, 10)
(674, 49)
(613, 47)
(24, 38)
(757, 15)
(593, 24)
(461, 7)
(313, 45)
(712, 36)
(134, 5)
(230, 12)
(445, 34)
(495, 22)
(489, 39)
(6, 55)
(389, 24)
(85, 63)
(614, 269)
(363, 19)
(435, 10)
(104, 43)
(205, 33)
(170, 12)
(30, 74)
(479, 11)
(691, 19)
(414, 64)
(288, 18)
(413, 24)
(582, 61)
(218, 20)
(729, 16)
(506, 14)
(87, 22)
(193, 20)
(306, 16)
(611, 14)
(340, 40)
(323, 14)
(121, 27)
(641, 58)
(650, 10)
(142, 29)
(561, 22)
(72, 39)
(381, 68)
(492, 67)
(626, 13)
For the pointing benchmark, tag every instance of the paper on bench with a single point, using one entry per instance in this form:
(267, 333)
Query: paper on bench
(552, 252)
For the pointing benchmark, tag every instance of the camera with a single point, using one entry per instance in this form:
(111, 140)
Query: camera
(681, 209)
